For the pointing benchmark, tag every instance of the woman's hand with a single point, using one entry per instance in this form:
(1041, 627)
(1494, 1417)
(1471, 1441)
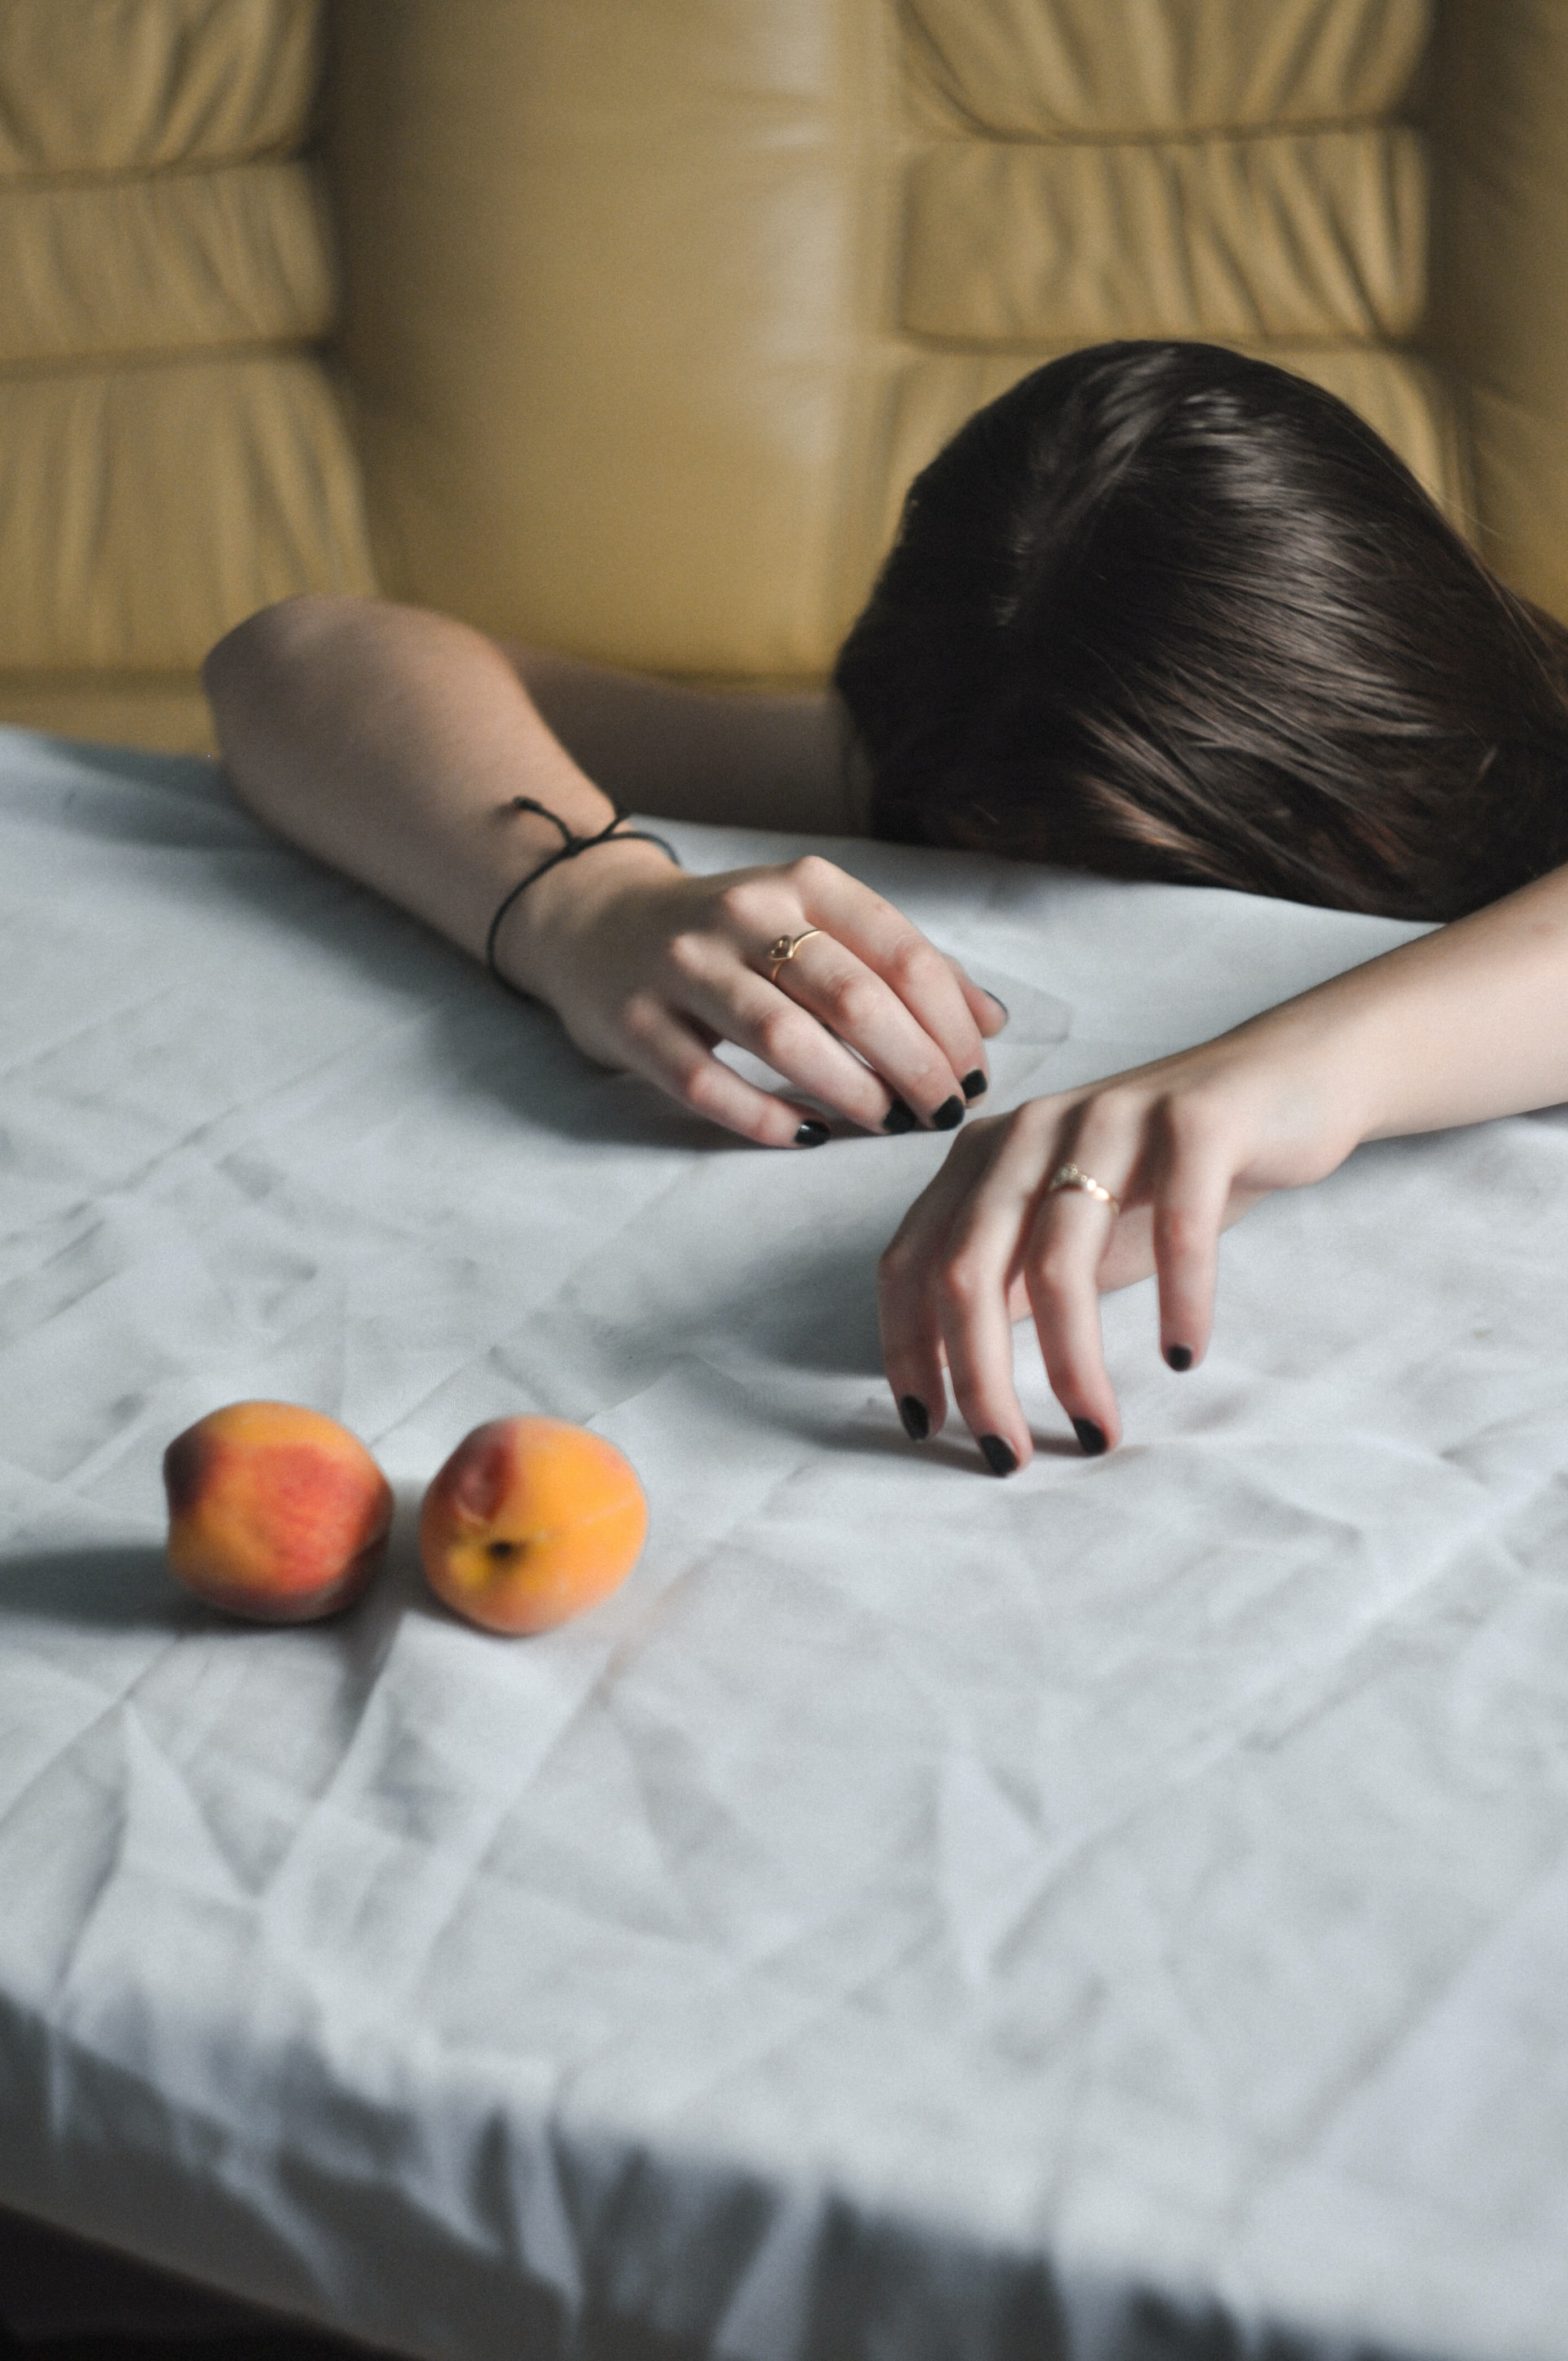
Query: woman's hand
(649, 968)
(1186, 1144)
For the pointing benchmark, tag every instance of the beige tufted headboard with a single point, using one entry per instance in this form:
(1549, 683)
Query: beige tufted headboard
(623, 327)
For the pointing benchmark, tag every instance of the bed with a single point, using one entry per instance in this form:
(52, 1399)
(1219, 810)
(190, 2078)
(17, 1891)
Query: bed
(1118, 1911)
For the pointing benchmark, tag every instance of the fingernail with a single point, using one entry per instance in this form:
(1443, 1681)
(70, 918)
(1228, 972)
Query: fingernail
(900, 1117)
(974, 1084)
(948, 1115)
(1179, 1355)
(811, 1134)
(1000, 1457)
(916, 1417)
(1090, 1436)
(1000, 1002)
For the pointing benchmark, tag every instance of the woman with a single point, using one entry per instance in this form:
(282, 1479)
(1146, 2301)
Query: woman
(1159, 612)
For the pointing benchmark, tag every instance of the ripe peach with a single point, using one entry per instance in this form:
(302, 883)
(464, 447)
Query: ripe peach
(530, 1521)
(275, 1512)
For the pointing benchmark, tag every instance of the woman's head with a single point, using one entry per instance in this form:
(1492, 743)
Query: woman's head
(1161, 611)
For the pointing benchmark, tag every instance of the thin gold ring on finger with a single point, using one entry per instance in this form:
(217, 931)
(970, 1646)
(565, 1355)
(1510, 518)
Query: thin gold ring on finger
(785, 947)
(1068, 1176)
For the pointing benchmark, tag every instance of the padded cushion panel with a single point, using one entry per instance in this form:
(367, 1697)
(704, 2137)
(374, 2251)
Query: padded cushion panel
(145, 510)
(121, 85)
(603, 314)
(1117, 68)
(649, 321)
(1314, 235)
(157, 480)
(1500, 271)
(163, 261)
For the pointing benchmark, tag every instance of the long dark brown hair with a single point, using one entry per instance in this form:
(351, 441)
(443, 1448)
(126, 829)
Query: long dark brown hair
(1163, 611)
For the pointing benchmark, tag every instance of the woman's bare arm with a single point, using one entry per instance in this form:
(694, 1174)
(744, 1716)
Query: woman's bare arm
(388, 741)
(1463, 1025)
(384, 738)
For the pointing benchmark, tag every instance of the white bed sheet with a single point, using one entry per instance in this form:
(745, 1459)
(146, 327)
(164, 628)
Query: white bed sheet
(1110, 1911)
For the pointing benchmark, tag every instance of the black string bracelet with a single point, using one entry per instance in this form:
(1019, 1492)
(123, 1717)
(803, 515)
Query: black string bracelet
(571, 846)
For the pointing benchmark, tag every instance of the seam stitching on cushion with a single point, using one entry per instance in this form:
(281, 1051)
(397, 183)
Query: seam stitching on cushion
(1215, 135)
(115, 363)
(106, 175)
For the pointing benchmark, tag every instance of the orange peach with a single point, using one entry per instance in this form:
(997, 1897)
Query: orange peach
(275, 1512)
(529, 1522)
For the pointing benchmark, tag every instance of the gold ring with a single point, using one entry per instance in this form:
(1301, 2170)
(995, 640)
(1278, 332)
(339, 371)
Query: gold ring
(786, 947)
(1068, 1176)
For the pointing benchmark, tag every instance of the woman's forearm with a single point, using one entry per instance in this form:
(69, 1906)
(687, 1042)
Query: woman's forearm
(386, 740)
(1464, 1024)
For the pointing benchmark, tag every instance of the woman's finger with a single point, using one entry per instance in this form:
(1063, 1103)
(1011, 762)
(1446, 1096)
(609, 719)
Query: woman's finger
(743, 1008)
(989, 1013)
(913, 1354)
(946, 1046)
(664, 1050)
(1131, 1257)
(1128, 1258)
(984, 1249)
(1191, 1202)
(832, 984)
(1067, 1242)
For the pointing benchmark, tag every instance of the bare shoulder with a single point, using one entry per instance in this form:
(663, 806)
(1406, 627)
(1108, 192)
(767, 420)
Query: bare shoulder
(767, 758)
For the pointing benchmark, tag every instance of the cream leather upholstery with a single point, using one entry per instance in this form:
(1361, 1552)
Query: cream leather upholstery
(622, 329)
(172, 448)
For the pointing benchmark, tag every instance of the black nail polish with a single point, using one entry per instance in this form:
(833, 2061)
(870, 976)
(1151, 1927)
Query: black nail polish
(1000, 1002)
(1179, 1356)
(900, 1117)
(1090, 1436)
(948, 1115)
(1000, 1457)
(811, 1134)
(974, 1084)
(916, 1417)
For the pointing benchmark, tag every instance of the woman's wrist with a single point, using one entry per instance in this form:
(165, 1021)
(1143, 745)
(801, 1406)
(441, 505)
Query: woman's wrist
(532, 935)
(1466, 1023)
(1334, 1039)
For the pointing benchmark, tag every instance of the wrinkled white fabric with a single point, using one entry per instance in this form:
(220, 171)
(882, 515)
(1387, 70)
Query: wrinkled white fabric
(919, 1917)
